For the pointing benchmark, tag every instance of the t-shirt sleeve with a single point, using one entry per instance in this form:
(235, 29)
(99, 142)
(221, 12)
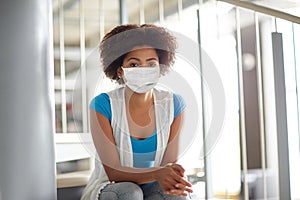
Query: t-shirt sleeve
(101, 104)
(179, 104)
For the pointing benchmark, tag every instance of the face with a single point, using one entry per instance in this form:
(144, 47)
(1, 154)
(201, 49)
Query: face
(140, 57)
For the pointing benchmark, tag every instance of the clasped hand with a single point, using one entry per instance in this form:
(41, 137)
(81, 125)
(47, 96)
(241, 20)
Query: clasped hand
(172, 180)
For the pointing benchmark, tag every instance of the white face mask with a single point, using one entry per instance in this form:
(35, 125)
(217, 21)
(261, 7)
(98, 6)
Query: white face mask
(141, 79)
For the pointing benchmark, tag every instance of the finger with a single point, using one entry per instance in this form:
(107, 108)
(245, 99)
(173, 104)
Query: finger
(178, 192)
(179, 186)
(181, 180)
(178, 168)
(183, 187)
(174, 192)
(169, 184)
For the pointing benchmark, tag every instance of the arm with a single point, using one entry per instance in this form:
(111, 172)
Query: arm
(171, 155)
(106, 148)
(172, 151)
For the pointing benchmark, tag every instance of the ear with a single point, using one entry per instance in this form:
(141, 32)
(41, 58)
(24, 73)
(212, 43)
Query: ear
(120, 72)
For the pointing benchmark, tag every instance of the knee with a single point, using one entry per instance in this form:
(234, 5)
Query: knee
(131, 191)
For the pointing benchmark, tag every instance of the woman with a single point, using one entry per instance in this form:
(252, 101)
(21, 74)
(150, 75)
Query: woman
(136, 127)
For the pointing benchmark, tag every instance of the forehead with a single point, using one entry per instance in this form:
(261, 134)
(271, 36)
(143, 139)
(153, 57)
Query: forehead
(142, 52)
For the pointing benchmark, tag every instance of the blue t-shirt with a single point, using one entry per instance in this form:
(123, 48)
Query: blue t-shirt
(101, 103)
(143, 150)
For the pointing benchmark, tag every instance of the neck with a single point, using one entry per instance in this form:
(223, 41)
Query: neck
(138, 99)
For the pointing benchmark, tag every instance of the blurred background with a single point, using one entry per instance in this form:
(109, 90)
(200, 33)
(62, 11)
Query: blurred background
(237, 37)
(249, 151)
(242, 161)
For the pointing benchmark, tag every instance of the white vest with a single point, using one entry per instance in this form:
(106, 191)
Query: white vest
(164, 113)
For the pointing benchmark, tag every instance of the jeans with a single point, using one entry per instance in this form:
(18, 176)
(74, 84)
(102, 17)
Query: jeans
(132, 191)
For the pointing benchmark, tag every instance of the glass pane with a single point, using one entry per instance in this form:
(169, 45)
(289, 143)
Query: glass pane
(295, 140)
(151, 11)
(219, 44)
(218, 38)
(134, 11)
(291, 33)
(270, 130)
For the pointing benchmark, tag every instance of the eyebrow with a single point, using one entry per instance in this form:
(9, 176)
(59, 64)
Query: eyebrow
(148, 59)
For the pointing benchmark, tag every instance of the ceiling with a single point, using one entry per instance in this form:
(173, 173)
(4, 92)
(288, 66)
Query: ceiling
(105, 14)
(102, 15)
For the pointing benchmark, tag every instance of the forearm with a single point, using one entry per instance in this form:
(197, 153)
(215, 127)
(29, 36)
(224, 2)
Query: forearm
(170, 177)
(136, 175)
(172, 150)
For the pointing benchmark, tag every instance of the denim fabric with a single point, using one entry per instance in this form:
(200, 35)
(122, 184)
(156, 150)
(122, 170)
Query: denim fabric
(122, 190)
(153, 191)
(132, 191)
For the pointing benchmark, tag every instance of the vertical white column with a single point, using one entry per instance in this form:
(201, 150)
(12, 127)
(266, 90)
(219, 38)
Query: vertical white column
(64, 119)
(101, 19)
(142, 12)
(27, 165)
(260, 105)
(207, 157)
(123, 12)
(161, 11)
(242, 105)
(180, 8)
(83, 69)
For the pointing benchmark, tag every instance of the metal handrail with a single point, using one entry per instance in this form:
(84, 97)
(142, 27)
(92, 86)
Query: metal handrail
(264, 10)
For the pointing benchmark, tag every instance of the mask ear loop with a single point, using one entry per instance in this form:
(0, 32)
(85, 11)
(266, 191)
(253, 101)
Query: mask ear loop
(119, 76)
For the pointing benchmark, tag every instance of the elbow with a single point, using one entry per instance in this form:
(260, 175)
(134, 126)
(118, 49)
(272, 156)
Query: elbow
(113, 173)
(112, 177)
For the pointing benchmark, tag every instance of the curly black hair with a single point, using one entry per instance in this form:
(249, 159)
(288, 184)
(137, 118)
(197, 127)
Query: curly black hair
(117, 43)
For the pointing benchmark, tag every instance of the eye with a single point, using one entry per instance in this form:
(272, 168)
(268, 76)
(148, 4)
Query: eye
(133, 65)
(152, 64)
